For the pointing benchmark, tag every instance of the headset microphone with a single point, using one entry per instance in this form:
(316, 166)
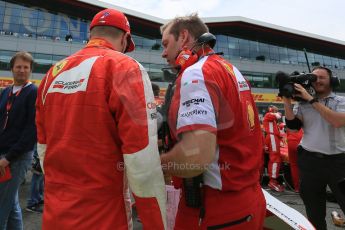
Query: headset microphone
(217, 53)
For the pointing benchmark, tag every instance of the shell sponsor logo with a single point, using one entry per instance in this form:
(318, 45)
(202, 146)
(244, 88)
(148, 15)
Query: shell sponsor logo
(250, 116)
(228, 68)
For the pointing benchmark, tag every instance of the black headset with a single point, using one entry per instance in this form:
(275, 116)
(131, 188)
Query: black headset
(188, 57)
(334, 81)
(207, 38)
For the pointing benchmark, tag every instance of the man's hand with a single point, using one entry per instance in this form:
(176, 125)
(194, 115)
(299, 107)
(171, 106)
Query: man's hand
(191, 155)
(289, 115)
(302, 92)
(3, 164)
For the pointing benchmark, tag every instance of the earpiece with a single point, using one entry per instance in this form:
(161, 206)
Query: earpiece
(334, 82)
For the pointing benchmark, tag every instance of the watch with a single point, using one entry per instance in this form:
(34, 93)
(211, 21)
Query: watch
(313, 101)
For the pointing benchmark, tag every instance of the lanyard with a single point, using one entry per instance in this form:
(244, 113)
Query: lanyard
(10, 101)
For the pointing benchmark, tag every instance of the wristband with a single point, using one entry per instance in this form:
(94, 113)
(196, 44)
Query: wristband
(313, 101)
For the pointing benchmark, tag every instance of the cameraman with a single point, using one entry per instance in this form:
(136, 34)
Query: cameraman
(321, 154)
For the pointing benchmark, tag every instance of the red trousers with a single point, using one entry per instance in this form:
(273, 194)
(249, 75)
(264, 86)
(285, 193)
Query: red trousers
(292, 147)
(273, 144)
(240, 210)
(69, 207)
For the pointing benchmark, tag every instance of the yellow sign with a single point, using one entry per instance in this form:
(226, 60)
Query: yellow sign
(267, 98)
(7, 81)
(258, 97)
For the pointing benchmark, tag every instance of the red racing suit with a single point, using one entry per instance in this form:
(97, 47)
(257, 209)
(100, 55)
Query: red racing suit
(213, 95)
(272, 141)
(293, 140)
(96, 124)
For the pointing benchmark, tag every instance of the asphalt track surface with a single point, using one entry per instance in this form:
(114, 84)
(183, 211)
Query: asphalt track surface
(33, 221)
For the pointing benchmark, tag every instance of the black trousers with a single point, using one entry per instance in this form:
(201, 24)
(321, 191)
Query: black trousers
(316, 172)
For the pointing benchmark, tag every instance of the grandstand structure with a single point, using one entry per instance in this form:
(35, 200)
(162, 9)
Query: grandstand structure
(52, 30)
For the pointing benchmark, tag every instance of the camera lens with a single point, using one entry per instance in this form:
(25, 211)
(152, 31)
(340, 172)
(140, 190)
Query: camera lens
(288, 90)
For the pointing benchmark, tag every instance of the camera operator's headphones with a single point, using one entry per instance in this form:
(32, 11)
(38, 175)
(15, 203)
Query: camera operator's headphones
(188, 57)
(334, 81)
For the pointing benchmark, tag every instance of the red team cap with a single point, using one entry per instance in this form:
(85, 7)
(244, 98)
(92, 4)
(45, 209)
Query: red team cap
(114, 18)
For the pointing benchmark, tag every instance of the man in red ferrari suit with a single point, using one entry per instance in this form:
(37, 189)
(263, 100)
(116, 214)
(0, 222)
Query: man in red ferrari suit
(216, 131)
(272, 141)
(293, 139)
(97, 135)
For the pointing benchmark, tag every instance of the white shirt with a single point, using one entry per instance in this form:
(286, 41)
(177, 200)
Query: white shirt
(319, 135)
